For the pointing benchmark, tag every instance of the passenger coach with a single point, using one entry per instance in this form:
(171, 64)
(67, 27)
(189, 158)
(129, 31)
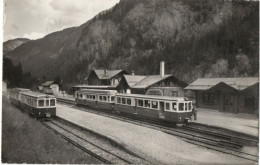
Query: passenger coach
(103, 99)
(15, 95)
(175, 109)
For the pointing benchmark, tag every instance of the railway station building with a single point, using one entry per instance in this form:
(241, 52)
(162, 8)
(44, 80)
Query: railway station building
(49, 85)
(234, 95)
(164, 85)
(104, 77)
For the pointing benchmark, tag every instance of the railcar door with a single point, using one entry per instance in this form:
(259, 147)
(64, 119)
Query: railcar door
(161, 109)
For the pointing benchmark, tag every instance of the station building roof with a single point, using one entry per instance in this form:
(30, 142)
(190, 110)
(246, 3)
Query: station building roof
(143, 81)
(47, 83)
(93, 86)
(104, 74)
(240, 83)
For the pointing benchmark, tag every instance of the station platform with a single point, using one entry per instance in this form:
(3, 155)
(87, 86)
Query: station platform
(244, 123)
(153, 145)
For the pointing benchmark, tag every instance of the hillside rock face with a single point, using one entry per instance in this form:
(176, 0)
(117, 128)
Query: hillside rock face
(12, 44)
(194, 38)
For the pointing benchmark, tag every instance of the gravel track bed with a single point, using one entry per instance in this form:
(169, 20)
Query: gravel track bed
(103, 143)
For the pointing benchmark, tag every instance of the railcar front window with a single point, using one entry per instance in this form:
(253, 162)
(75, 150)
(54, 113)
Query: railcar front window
(47, 103)
(140, 103)
(119, 100)
(167, 106)
(123, 101)
(147, 103)
(174, 106)
(112, 99)
(52, 102)
(181, 106)
(41, 103)
(190, 106)
(154, 104)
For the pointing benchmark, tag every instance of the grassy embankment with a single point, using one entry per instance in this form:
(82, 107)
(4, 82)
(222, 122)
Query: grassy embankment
(25, 140)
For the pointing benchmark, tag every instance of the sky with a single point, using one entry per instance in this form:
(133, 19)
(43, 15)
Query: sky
(34, 19)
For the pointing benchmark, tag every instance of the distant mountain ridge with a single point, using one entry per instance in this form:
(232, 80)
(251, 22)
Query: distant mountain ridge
(12, 44)
(194, 38)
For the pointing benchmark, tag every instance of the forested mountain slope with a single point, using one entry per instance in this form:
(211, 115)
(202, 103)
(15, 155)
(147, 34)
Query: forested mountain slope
(195, 38)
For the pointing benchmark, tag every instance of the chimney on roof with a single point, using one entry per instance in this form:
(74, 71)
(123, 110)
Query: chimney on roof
(133, 72)
(162, 68)
(105, 71)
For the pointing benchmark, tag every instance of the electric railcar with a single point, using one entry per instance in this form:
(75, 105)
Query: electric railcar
(174, 109)
(34, 103)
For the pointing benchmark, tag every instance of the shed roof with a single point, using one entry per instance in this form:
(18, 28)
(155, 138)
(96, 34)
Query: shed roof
(240, 83)
(47, 83)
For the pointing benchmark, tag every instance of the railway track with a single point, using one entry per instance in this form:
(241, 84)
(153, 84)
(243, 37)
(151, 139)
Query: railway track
(92, 144)
(209, 138)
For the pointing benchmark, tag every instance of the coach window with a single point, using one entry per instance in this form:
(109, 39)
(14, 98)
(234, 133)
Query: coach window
(119, 100)
(34, 103)
(129, 101)
(52, 102)
(100, 98)
(181, 106)
(190, 106)
(123, 101)
(41, 103)
(47, 102)
(155, 104)
(186, 106)
(104, 98)
(112, 98)
(147, 103)
(94, 97)
(167, 106)
(140, 103)
(174, 106)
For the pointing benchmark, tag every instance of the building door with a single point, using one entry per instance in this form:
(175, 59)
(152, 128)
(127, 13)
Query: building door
(161, 109)
(228, 102)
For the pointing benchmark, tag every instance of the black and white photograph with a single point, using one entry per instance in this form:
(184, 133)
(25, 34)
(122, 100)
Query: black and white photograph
(130, 82)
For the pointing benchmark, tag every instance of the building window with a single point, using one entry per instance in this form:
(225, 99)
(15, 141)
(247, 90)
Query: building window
(249, 101)
(208, 97)
(174, 93)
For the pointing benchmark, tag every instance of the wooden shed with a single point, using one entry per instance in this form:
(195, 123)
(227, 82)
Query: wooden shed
(235, 95)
